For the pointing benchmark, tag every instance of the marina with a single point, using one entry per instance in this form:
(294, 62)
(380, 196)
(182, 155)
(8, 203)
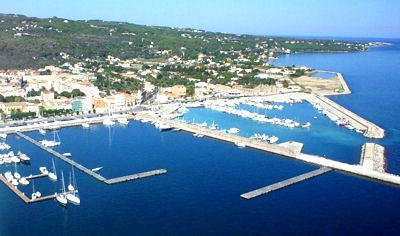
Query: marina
(285, 183)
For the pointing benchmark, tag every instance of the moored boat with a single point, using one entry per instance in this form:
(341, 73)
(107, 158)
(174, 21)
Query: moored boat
(60, 197)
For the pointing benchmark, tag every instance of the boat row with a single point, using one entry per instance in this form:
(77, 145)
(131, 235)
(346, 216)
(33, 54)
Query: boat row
(342, 122)
(259, 117)
(263, 137)
(10, 158)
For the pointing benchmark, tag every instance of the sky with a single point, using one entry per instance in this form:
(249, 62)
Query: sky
(339, 18)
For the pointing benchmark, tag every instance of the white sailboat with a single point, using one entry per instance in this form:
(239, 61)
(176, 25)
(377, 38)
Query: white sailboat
(53, 175)
(107, 120)
(73, 196)
(35, 194)
(51, 143)
(60, 197)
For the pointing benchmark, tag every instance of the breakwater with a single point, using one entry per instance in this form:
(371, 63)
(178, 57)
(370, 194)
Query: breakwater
(279, 149)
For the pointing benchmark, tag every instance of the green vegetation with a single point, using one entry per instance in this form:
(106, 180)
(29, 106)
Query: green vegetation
(27, 42)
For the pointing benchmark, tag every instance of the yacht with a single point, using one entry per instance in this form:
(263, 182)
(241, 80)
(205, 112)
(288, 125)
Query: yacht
(163, 126)
(60, 197)
(273, 139)
(23, 157)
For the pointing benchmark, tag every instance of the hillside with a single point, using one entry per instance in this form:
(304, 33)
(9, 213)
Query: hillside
(28, 42)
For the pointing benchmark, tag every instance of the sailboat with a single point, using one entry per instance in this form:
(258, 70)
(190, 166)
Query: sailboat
(73, 196)
(35, 194)
(107, 120)
(53, 175)
(60, 197)
(51, 143)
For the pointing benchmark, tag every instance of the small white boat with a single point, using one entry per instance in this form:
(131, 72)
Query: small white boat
(123, 121)
(67, 154)
(240, 145)
(273, 139)
(23, 157)
(86, 125)
(43, 170)
(3, 135)
(97, 169)
(233, 130)
(23, 181)
(42, 131)
(14, 182)
(306, 125)
(8, 175)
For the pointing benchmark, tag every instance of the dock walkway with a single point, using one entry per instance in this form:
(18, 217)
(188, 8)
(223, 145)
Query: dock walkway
(135, 176)
(285, 183)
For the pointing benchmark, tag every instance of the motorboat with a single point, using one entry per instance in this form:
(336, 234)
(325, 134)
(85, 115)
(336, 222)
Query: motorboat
(123, 121)
(97, 169)
(42, 131)
(43, 170)
(233, 130)
(23, 182)
(8, 175)
(3, 135)
(86, 125)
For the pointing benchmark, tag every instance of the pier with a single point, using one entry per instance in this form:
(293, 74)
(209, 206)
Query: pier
(135, 176)
(285, 183)
(89, 171)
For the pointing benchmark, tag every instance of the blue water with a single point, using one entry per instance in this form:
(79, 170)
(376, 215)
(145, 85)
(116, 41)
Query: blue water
(200, 194)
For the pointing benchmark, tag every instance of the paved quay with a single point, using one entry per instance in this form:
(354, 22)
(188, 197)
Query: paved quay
(373, 157)
(369, 129)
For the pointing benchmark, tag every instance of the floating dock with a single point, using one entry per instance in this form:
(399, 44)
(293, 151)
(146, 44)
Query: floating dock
(285, 183)
(135, 176)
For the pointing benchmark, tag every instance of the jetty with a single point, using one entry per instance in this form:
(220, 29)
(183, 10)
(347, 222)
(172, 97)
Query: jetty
(21, 195)
(285, 183)
(135, 176)
(92, 172)
(372, 157)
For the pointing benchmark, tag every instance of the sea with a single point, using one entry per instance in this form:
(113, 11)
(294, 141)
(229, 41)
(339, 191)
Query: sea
(200, 193)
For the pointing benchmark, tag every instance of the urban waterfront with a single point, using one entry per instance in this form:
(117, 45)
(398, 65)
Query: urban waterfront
(200, 194)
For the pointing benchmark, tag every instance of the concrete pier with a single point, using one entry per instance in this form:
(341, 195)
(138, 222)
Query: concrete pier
(136, 176)
(285, 183)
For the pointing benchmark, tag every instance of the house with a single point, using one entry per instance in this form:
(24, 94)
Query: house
(178, 91)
